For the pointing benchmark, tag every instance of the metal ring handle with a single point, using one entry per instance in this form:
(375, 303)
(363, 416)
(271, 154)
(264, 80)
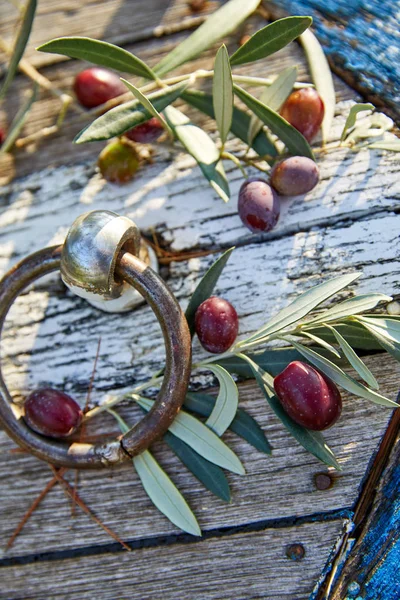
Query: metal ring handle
(177, 369)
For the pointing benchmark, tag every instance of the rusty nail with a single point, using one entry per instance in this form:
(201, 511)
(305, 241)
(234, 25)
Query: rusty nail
(295, 551)
(323, 481)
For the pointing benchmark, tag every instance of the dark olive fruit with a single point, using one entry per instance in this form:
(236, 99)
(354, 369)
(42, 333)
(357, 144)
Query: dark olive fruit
(216, 324)
(2, 135)
(304, 109)
(147, 132)
(310, 398)
(95, 86)
(258, 205)
(118, 162)
(294, 176)
(52, 413)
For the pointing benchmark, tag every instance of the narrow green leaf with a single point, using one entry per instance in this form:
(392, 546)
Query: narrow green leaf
(240, 122)
(211, 476)
(391, 145)
(349, 307)
(312, 441)
(243, 424)
(205, 287)
(293, 140)
(352, 117)
(164, 494)
(322, 78)
(354, 333)
(20, 45)
(120, 119)
(200, 438)
(223, 93)
(355, 360)
(226, 404)
(321, 342)
(145, 102)
(99, 53)
(18, 121)
(388, 335)
(217, 26)
(304, 304)
(274, 96)
(341, 378)
(270, 39)
(199, 144)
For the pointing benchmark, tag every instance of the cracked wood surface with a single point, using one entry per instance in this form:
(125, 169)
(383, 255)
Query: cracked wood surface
(349, 222)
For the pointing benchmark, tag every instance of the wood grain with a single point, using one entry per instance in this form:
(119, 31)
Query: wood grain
(277, 487)
(245, 565)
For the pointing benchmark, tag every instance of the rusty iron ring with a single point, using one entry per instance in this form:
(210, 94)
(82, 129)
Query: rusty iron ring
(176, 377)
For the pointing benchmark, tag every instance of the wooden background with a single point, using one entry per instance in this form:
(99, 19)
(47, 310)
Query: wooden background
(349, 222)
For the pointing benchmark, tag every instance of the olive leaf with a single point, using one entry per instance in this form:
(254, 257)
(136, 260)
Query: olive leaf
(322, 78)
(205, 287)
(226, 404)
(386, 331)
(270, 39)
(99, 53)
(304, 304)
(312, 441)
(240, 122)
(393, 145)
(164, 494)
(273, 96)
(355, 360)
(352, 116)
(160, 489)
(223, 93)
(200, 438)
(145, 102)
(243, 424)
(341, 378)
(120, 119)
(199, 144)
(354, 333)
(320, 342)
(210, 475)
(218, 25)
(293, 139)
(19, 120)
(352, 306)
(20, 44)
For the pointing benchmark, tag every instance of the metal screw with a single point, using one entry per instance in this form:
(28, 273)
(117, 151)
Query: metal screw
(295, 551)
(323, 481)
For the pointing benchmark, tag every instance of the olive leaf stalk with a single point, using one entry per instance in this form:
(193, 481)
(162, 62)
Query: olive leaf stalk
(326, 338)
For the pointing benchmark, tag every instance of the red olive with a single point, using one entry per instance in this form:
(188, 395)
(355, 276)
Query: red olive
(258, 205)
(95, 86)
(304, 109)
(118, 162)
(52, 413)
(310, 398)
(2, 135)
(216, 324)
(147, 132)
(294, 176)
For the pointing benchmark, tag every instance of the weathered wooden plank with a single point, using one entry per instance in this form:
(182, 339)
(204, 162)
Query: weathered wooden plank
(362, 41)
(244, 565)
(116, 21)
(281, 486)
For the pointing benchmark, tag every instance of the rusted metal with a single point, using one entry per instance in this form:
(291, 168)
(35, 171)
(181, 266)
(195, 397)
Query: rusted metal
(323, 481)
(295, 552)
(177, 340)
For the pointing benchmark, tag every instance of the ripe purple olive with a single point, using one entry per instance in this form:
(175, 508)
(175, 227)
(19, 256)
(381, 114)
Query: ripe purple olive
(310, 398)
(95, 86)
(118, 162)
(258, 205)
(52, 413)
(147, 132)
(294, 176)
(304, 109)
(216, 324)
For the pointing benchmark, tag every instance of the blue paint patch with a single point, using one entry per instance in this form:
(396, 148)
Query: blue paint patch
(367, 44)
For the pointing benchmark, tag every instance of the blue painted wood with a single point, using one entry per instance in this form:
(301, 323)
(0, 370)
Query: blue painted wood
(362, 39)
